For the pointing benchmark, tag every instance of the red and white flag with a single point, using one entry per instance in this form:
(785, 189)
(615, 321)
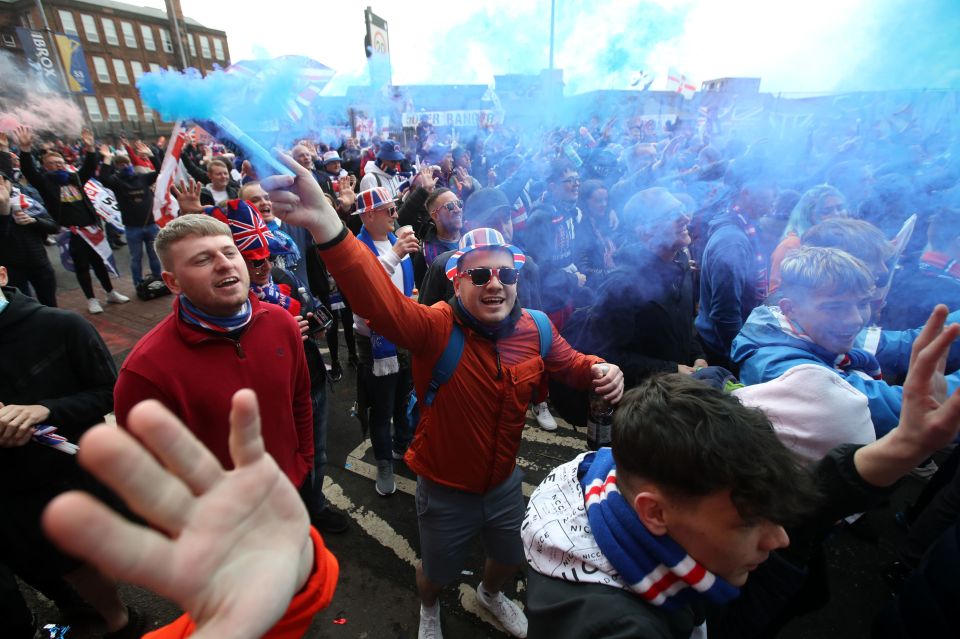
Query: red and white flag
(165, 206)
(679, 83)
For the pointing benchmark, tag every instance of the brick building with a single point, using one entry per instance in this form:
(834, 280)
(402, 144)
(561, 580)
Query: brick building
(120, 42)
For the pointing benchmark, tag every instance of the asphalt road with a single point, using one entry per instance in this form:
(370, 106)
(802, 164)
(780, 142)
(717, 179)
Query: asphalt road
(376, 596)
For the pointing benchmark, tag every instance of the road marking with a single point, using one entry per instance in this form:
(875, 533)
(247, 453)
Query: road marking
(371, 523)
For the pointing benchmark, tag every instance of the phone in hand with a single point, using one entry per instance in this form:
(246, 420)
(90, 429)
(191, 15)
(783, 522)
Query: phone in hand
(319, 319)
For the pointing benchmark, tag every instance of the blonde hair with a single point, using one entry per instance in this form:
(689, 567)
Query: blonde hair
(814, 268)
(191, 225)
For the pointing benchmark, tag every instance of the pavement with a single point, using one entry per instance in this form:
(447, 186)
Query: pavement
(376, 596)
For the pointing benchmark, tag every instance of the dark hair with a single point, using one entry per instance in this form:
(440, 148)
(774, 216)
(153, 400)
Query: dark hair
(558, 168)
(693, 440)
(588, 188)
(433, 197)
(859, 238)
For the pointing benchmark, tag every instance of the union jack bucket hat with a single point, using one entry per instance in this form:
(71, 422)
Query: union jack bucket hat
(483, 239)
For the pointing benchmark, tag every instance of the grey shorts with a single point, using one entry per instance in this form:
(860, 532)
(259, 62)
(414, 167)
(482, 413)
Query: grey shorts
(449, 519)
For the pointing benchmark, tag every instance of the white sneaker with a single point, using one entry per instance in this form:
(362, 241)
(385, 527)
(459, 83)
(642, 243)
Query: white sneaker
(507, 613)
(544, 418)
(116, 297)
(93, 306)
(430, 624)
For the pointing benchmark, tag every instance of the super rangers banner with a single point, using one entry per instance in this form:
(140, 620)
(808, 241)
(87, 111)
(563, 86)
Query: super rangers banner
(105, 203)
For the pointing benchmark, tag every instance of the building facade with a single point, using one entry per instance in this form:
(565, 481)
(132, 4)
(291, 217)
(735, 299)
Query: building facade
(120, 42)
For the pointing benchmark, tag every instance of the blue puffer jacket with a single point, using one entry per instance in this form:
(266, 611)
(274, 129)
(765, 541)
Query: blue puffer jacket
(764, 352)
(892, 348)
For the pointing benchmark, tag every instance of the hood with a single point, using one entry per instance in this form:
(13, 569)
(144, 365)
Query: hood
(768, 327)
(556, 532)
(727, 218)
(21, 307)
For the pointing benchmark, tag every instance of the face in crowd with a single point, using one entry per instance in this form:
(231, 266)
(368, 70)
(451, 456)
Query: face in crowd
(381, 221)
(53, 162)
(211, 272)
(447, 213)
(831, 318)
(491, 302)
(567, 188)
(254, 194)
(302, 156)
(219, 176)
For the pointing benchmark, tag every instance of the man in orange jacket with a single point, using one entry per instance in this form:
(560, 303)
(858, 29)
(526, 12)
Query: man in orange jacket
(466, 443)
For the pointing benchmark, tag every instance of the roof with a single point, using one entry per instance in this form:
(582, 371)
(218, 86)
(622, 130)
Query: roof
(147, 12)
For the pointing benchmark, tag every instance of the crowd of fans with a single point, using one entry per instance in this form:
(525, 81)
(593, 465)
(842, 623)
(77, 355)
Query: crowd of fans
(762, 304)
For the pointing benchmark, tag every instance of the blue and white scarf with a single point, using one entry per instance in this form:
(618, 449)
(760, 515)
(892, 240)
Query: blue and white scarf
(385, 360)
(654, 567)
(219, 325)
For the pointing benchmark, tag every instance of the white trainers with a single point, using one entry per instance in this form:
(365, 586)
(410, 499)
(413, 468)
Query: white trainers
(93, 306)
(116, 297)
(430, 623)
(544, 418)
(507, 613)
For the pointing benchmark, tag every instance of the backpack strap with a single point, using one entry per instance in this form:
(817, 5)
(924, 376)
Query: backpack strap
(446, 365)
(544, 328)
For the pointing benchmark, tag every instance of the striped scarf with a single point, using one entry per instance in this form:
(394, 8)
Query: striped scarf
(653, 567)
(219, 325)
(853, 361)
(278, 294)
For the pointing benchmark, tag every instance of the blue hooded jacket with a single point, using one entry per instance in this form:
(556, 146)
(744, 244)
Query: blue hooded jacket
(764, 351)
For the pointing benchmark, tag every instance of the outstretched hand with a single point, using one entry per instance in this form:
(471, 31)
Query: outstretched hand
(187, 196)
(24, 136)
(929, 418)
(230, 547)
(300, 201)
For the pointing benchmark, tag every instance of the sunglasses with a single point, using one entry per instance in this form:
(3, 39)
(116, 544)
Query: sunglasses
(258, 263)
(456, 205)
(571, 180)
(481, 276)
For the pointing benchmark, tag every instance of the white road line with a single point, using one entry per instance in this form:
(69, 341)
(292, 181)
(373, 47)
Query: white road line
(535, 434)
(371, 523)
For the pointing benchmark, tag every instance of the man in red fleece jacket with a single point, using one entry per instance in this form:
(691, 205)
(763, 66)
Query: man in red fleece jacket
(219, 339)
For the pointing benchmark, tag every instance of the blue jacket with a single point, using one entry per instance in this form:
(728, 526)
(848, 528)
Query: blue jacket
(764, 352)
(892, 348)
(728, 278)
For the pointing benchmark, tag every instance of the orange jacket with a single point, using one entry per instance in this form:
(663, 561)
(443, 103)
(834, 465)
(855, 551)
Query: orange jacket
(312, 598)
(469, 438)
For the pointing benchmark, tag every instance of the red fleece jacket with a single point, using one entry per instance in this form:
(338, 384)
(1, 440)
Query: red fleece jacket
(195, 374)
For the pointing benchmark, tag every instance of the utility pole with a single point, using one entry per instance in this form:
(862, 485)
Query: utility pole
(174, 14)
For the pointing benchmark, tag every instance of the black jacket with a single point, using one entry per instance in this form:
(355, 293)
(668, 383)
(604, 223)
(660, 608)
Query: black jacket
(134, 196)
(57, 359)
(22, 244)
(77, 211)
(642, 320)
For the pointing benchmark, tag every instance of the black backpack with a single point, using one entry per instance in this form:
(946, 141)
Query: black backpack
(151, 287)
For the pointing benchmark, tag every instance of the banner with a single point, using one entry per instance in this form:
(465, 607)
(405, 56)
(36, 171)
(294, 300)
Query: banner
(480, 117)
(40, 58)
(679, 83)
(105, 203)
(95, 237)
(78, 74)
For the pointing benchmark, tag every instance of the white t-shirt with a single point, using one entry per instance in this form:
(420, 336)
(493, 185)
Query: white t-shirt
(218, 196)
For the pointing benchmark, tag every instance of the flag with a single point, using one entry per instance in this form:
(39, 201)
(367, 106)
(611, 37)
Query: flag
(641, 80)
(96, 238)
(679, 83)
(104, 202)
(165, 206)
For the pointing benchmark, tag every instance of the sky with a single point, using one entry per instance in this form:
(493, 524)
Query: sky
(794, 47)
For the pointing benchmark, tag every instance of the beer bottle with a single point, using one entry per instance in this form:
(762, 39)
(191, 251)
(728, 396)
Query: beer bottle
(599, 420)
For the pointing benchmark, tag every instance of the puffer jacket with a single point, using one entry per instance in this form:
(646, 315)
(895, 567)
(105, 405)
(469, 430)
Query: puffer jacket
(469, 438)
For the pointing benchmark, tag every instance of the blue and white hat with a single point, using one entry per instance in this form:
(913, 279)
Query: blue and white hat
(483, 239)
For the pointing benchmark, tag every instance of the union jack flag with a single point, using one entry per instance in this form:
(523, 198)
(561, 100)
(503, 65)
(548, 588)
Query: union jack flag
(250, 232)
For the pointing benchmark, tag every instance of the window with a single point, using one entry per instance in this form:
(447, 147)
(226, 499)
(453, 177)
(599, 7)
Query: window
(109, 31)
(137, 69)
(120, 70)
(147, 34)
(89, 28)
(147, 115)
(166, 41)
(93, 108)
(69, 26)
(218, 48)
(100, 66)
(130, 106)
(205, 46)
(154, 67)
(129, 38)
(9, 41)
(193, 47)
(113, 109)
